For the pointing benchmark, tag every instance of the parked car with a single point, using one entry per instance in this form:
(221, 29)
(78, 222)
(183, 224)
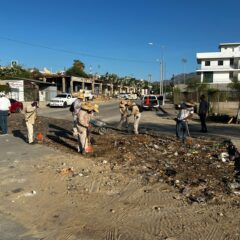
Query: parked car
(62, 100)
(16, 106)
(122, 96)
(150, 102)
(132, 96)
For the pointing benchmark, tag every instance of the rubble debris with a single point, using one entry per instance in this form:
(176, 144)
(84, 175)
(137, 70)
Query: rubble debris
(112, 210)
(201, 170)
(224, 156)
(66, 171)
(17, 190)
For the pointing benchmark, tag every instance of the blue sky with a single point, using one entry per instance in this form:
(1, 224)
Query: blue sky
(113, 35)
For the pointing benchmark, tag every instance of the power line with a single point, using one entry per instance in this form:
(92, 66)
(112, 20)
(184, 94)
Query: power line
(75, 52)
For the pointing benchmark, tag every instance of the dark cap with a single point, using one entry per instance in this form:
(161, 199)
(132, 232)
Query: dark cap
(34, 104)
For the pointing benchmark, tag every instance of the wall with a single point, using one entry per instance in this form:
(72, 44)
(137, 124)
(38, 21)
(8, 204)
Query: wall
(230, 49)
(17, 89)
(229, 108)
(221, 77)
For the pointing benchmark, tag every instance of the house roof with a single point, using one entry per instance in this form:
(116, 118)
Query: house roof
(31, 80)
(229, 44)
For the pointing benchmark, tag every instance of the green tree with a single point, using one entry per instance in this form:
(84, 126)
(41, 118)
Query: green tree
(36, 74)
(15, 71)
(77, 69)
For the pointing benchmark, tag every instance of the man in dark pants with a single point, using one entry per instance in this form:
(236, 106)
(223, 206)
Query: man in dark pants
(203, 110)
(185, 112)
(4, 111)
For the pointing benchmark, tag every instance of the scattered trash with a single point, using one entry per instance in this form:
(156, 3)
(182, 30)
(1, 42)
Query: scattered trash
(220, 214)
(170, 171)
(17, 190)
(30, 194)
(224, 156)
(66, 171)
(156, 208)
(112, 210)
(156, 146)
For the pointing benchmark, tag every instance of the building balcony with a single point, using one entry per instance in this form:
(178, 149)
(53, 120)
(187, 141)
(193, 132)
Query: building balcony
(218, 69)
(218, 55)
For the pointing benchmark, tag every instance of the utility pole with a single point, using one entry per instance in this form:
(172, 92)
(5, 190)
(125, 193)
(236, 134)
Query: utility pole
(184, 61)
(149, 81)
(161, 78)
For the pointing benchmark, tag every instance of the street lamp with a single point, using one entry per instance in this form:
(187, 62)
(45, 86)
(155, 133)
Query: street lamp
(161, 68)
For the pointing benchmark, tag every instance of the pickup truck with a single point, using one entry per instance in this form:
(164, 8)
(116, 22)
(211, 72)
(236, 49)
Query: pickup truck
(62, 100)
(88, 95)
(150, 102)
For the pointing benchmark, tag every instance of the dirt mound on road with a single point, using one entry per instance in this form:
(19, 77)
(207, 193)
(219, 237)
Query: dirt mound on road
(195, 168)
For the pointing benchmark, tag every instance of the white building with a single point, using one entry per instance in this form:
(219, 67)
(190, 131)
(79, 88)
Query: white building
(220, 67)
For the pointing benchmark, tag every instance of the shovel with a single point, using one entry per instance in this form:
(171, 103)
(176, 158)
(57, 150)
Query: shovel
(189, 140)
(89, 148)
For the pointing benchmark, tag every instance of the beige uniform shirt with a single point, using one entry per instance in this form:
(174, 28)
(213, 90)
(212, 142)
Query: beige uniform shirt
(30, 114)
(83, 118)
(122, 109)
(134, 110)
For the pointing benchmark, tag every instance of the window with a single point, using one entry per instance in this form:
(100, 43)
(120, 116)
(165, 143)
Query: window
(207, 63)
(220, 62)
(207, 77)
(231, 75)
(231, 61)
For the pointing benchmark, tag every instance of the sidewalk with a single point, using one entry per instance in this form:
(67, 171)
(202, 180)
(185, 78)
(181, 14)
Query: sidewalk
(13, 153)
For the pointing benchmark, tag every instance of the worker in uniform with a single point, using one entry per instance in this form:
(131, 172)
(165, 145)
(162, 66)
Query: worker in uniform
(83, 119)
(30, 117)
(83, 124)
(76, 108)
(135, 112)
(124, 112)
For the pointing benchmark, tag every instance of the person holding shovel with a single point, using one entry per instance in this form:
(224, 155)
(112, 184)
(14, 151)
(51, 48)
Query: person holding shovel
(30, 117)
(185, 112)
(83, 124)
(124, 112)
(75, 110)
(135, 112)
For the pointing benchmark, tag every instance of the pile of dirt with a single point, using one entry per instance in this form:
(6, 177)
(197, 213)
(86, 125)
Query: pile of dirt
(200, 168)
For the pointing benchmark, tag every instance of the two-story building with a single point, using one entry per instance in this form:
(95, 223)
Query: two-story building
(222, 67)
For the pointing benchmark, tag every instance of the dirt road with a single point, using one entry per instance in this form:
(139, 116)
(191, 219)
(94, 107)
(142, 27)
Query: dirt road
(129, 188)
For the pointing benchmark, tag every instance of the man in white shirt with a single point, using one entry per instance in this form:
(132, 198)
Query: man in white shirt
(4, 110)
(185, 112)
